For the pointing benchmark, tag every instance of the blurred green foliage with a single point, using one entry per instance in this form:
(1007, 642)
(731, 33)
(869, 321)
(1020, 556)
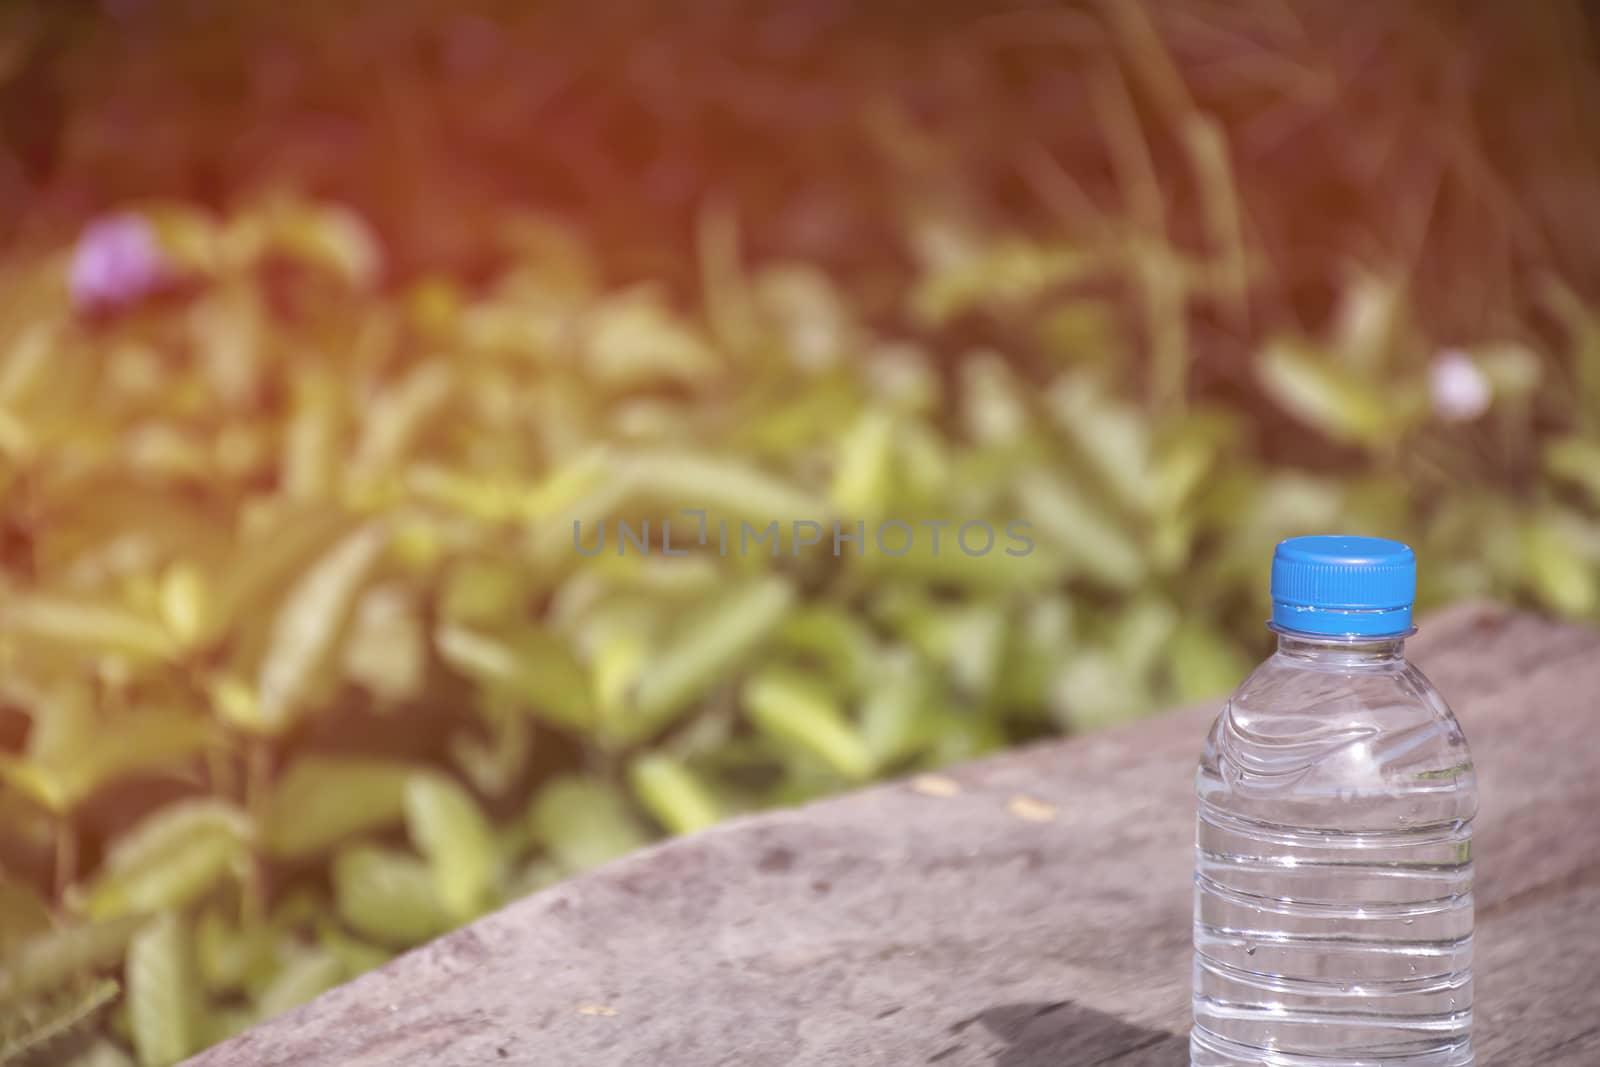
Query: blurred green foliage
(299, 666)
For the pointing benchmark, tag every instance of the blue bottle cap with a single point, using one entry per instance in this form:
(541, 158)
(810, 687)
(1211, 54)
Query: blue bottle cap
(1343, 586)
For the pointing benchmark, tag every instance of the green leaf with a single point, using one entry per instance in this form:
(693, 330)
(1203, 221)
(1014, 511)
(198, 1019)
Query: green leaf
(1070, 520)
(863, 468)
(48, 959)
(103, 1053)
(1370, 322)
(1332, 398)
(387, 895)
(991, 403)
(1112, 436)
(1140, 633)
(274, 551)
(84, 625)
(323, 799)
(327, 236)
(185, 603)
(1557, 571)
(673, 794)
(1098, 691)
(172, 857)
(633, 339)
(218, 1024)
(357, 957)
(534, 667)
(835, 640)
(1513, 370)
(397, 417)
(705, 650)
(126, 745)
(797, 713)
(451, 832)
(893, 712)
(386, 650)
(23, 914)
(162, 992)
(1204, 664)
(724, 488)
(306, 632)
(228, 955)
(584, 823)
(493, 763)
(306, 974)
(1576, 460)
(1034, 654)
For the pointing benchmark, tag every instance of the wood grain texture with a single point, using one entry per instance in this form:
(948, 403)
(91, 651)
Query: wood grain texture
(1038, 917)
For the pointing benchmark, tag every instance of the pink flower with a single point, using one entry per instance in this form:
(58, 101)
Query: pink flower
(118, 261)
(1458, 388)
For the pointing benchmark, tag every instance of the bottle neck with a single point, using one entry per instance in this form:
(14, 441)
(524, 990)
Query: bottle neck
(1342, 651)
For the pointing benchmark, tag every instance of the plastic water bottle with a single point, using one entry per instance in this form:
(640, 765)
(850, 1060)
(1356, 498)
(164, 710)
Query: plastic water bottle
(1333, 852)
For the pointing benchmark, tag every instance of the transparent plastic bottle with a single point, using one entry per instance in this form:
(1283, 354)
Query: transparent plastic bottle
(1333, 856)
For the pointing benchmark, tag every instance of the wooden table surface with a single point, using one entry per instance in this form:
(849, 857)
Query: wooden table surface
(1030, 910)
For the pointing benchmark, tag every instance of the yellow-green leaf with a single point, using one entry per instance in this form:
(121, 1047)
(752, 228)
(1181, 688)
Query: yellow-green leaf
(162, 992)
(82, 624)
(323, 799)
(450, 831)
(798, 713)
(673, 794)
(49, 958)
(584, 823)
(705, 650)
(533, 666)
(863, 469)
(306, 974)
(387, 895)
(173, 856)
(306, 632)
(1332, 398)
(1068, 518)
(128, 744)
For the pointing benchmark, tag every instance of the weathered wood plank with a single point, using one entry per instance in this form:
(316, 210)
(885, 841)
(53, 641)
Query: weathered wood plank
(896, 927)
